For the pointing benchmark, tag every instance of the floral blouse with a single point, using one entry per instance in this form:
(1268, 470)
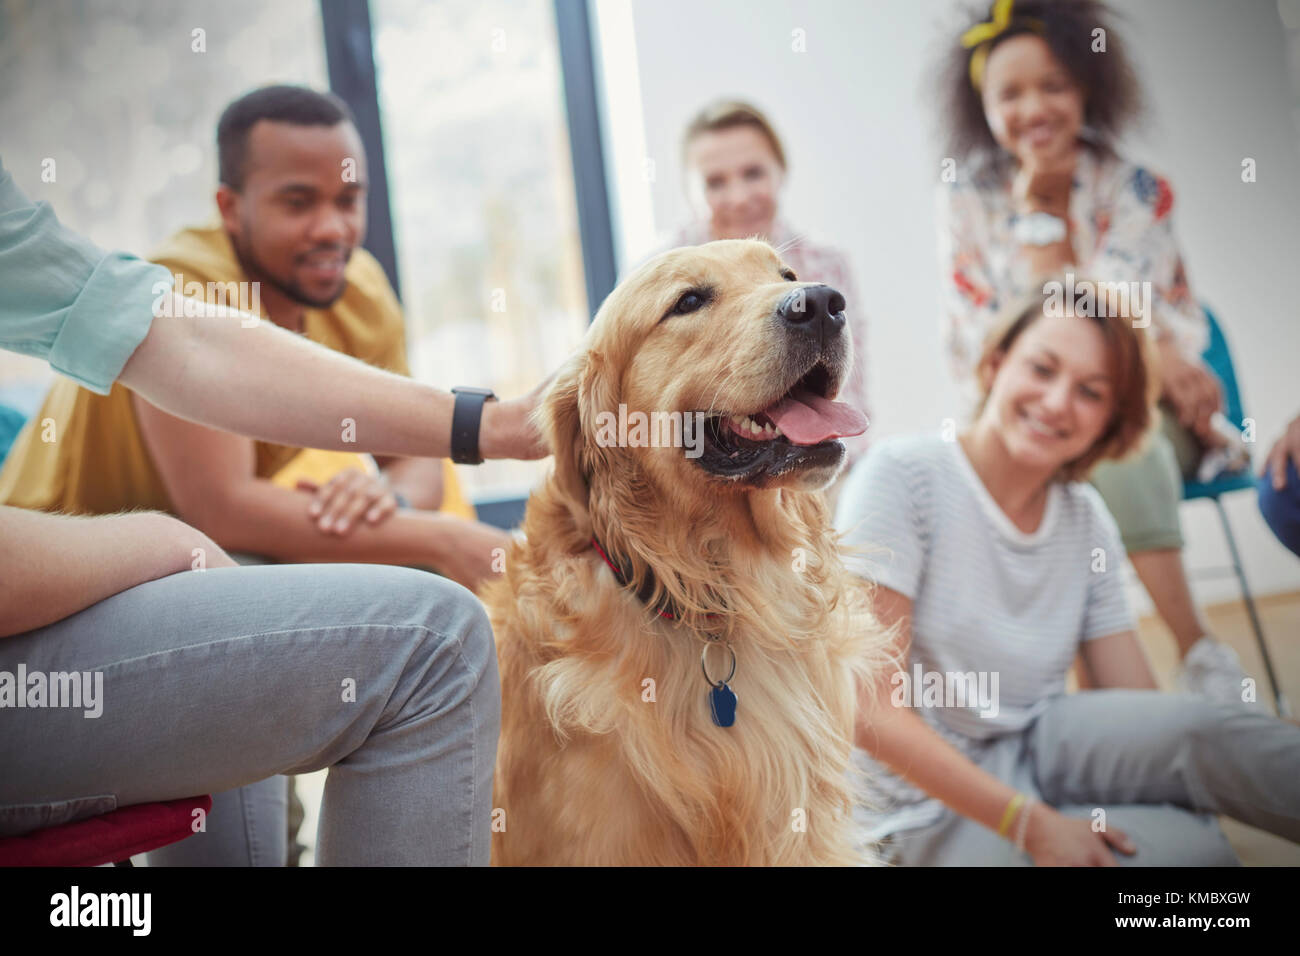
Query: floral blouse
(814, 262)
(1121, 232)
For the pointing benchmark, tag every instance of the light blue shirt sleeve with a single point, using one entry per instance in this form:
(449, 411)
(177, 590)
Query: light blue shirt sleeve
(64, 299)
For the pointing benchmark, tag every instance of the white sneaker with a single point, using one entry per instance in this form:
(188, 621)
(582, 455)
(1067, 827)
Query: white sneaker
(1212, 669)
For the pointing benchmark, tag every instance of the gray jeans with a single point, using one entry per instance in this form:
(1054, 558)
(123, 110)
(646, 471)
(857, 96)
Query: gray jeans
(1159, 765)
(215, 681)
(247, 826)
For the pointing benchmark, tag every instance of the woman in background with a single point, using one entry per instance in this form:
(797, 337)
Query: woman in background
(997, 567)
(735, 167)
(1034, 99)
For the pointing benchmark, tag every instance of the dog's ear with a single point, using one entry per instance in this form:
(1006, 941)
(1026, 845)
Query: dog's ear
(567, 417)
(560, 420)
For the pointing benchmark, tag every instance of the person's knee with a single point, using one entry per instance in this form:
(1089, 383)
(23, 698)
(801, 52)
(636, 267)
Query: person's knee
(452, 626)
(1199, 843)
(428, 600)
(458, 614)
(1195, 719)
(436, 634)
(1181, 838)
(478, 650)
(1281, 508)
(1143, 493)
(1212, 729)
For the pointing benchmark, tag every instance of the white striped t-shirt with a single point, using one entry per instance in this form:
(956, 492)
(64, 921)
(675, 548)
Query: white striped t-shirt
(994, 609)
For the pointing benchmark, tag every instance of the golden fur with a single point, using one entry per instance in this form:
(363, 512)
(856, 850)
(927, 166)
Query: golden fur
(590, 769)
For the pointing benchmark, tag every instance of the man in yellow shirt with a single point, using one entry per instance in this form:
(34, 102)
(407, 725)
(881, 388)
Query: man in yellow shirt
(292, 200)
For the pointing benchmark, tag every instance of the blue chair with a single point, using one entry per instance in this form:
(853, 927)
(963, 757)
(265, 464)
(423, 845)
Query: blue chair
(1219, 359)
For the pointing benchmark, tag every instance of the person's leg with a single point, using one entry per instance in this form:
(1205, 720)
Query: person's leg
(1164, 835)
(252, 804)
(245, 827)
(1109, 748)
(1143, 493)
(295, 816)
(955, 841)
(239, 826)
(216, 679)
(1162, 573)
(1281, 509)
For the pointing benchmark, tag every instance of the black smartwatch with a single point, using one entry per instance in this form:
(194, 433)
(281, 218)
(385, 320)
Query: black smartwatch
(465, 420)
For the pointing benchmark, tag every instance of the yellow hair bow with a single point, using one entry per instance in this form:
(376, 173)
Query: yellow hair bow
(981, 35)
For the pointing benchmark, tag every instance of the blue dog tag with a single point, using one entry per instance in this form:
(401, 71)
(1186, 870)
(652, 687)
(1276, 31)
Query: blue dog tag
(722, 701)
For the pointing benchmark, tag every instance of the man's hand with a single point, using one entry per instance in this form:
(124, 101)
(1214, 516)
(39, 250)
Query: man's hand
(343, 500)
(1286, 448)
(1044, 187)
(506, 430)
(1192, 389)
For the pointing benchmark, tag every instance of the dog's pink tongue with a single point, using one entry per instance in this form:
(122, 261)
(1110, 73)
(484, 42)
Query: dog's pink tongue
(809, 419)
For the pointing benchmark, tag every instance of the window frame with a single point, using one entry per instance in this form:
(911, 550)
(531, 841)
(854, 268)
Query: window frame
(350, 64)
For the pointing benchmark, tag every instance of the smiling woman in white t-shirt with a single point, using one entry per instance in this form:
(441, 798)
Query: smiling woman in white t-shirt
(999, 566)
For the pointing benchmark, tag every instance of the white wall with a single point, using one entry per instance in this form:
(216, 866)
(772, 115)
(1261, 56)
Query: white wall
(859, 133)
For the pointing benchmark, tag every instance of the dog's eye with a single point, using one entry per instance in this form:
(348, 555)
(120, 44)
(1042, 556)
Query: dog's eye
(789, 276)
(691, 301)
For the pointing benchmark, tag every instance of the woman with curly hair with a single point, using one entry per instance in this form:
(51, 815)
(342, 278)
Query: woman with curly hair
(1033, 101)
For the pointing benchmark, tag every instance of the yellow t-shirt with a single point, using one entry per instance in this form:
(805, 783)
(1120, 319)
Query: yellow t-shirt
(84, 454)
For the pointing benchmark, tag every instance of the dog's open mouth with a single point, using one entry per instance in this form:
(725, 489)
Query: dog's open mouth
(800, 429)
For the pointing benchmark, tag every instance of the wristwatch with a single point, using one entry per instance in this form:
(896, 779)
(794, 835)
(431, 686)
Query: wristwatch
(1038, 229)
(465, 420)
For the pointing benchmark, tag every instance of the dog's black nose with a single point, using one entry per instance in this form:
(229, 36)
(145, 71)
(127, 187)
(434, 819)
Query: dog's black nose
(814, 309)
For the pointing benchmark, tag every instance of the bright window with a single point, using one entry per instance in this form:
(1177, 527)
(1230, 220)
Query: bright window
(482, 196)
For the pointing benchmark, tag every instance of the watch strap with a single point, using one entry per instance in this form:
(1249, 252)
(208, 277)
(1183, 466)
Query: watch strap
(466, 418)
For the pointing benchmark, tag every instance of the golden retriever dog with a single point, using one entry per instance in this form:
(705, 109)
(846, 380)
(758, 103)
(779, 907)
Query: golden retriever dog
(663, 584)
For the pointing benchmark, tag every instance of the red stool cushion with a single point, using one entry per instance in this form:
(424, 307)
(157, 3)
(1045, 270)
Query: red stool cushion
(107, 838)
